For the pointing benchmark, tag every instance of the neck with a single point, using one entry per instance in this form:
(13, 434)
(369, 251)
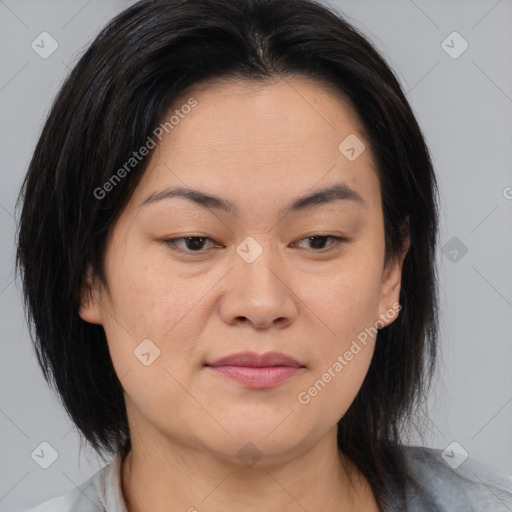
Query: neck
(153, 479)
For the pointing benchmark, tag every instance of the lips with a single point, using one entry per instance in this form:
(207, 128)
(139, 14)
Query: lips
(254, 360)
(254, 370)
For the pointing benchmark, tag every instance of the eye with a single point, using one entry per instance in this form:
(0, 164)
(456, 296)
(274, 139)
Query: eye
(195, 244)
(318, 241)
(192, 243)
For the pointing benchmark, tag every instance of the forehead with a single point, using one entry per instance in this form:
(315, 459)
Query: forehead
(289, 114)
(285, 136)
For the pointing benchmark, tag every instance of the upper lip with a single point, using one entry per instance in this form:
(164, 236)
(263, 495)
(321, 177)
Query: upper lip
(256, 360)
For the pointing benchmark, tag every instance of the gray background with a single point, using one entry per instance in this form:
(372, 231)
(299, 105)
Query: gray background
(464, 106)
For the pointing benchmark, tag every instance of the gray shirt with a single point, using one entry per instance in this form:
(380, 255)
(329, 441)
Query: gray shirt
(435, 487)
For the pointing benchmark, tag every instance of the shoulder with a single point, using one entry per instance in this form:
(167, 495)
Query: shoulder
(97, 494)
(451, 483)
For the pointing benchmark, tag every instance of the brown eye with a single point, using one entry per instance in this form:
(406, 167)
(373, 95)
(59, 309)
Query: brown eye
(318, 242)
(192, 243)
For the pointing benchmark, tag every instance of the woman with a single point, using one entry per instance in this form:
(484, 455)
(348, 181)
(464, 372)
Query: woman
(227, 244)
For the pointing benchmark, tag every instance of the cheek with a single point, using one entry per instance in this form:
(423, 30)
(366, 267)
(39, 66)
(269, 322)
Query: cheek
(345, 300)
(150, 296)
(151, 300)
(344, 346)
(331, 391)
(345, 305)
(151, 332)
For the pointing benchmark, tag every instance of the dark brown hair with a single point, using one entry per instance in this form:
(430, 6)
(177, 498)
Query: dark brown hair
(112, 100)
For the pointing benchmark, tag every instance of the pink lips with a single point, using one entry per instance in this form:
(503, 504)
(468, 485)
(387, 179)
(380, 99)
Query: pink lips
(257, 371)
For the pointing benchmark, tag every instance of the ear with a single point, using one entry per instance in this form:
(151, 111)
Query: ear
(391, 282)
(90, 309)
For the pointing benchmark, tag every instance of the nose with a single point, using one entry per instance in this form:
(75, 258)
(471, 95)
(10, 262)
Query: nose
(260, 293)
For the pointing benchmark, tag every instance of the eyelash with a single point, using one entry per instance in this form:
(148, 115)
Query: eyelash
(171, 243)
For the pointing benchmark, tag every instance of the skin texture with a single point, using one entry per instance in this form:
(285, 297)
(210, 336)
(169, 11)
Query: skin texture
(260, 146)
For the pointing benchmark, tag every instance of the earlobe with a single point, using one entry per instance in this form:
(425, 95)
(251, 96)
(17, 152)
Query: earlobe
(89, 305)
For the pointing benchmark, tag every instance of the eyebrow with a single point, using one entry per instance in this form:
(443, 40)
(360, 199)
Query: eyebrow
(327, 195)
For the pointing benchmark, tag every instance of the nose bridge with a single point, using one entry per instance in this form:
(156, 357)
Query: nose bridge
(259, 292)
(260, 257)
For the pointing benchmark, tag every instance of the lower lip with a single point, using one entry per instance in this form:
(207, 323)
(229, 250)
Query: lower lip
(257, 377)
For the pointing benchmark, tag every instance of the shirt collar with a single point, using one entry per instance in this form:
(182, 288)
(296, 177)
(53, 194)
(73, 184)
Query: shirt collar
(111, 489)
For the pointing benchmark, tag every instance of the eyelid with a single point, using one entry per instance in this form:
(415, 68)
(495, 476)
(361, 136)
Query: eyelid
(337, 240)
(170, 243)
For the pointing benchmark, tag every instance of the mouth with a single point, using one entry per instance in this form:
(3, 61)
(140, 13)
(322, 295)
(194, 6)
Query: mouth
(256, 371)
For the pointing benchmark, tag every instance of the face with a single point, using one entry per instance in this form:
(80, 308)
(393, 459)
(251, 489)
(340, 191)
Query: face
(191, 281)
